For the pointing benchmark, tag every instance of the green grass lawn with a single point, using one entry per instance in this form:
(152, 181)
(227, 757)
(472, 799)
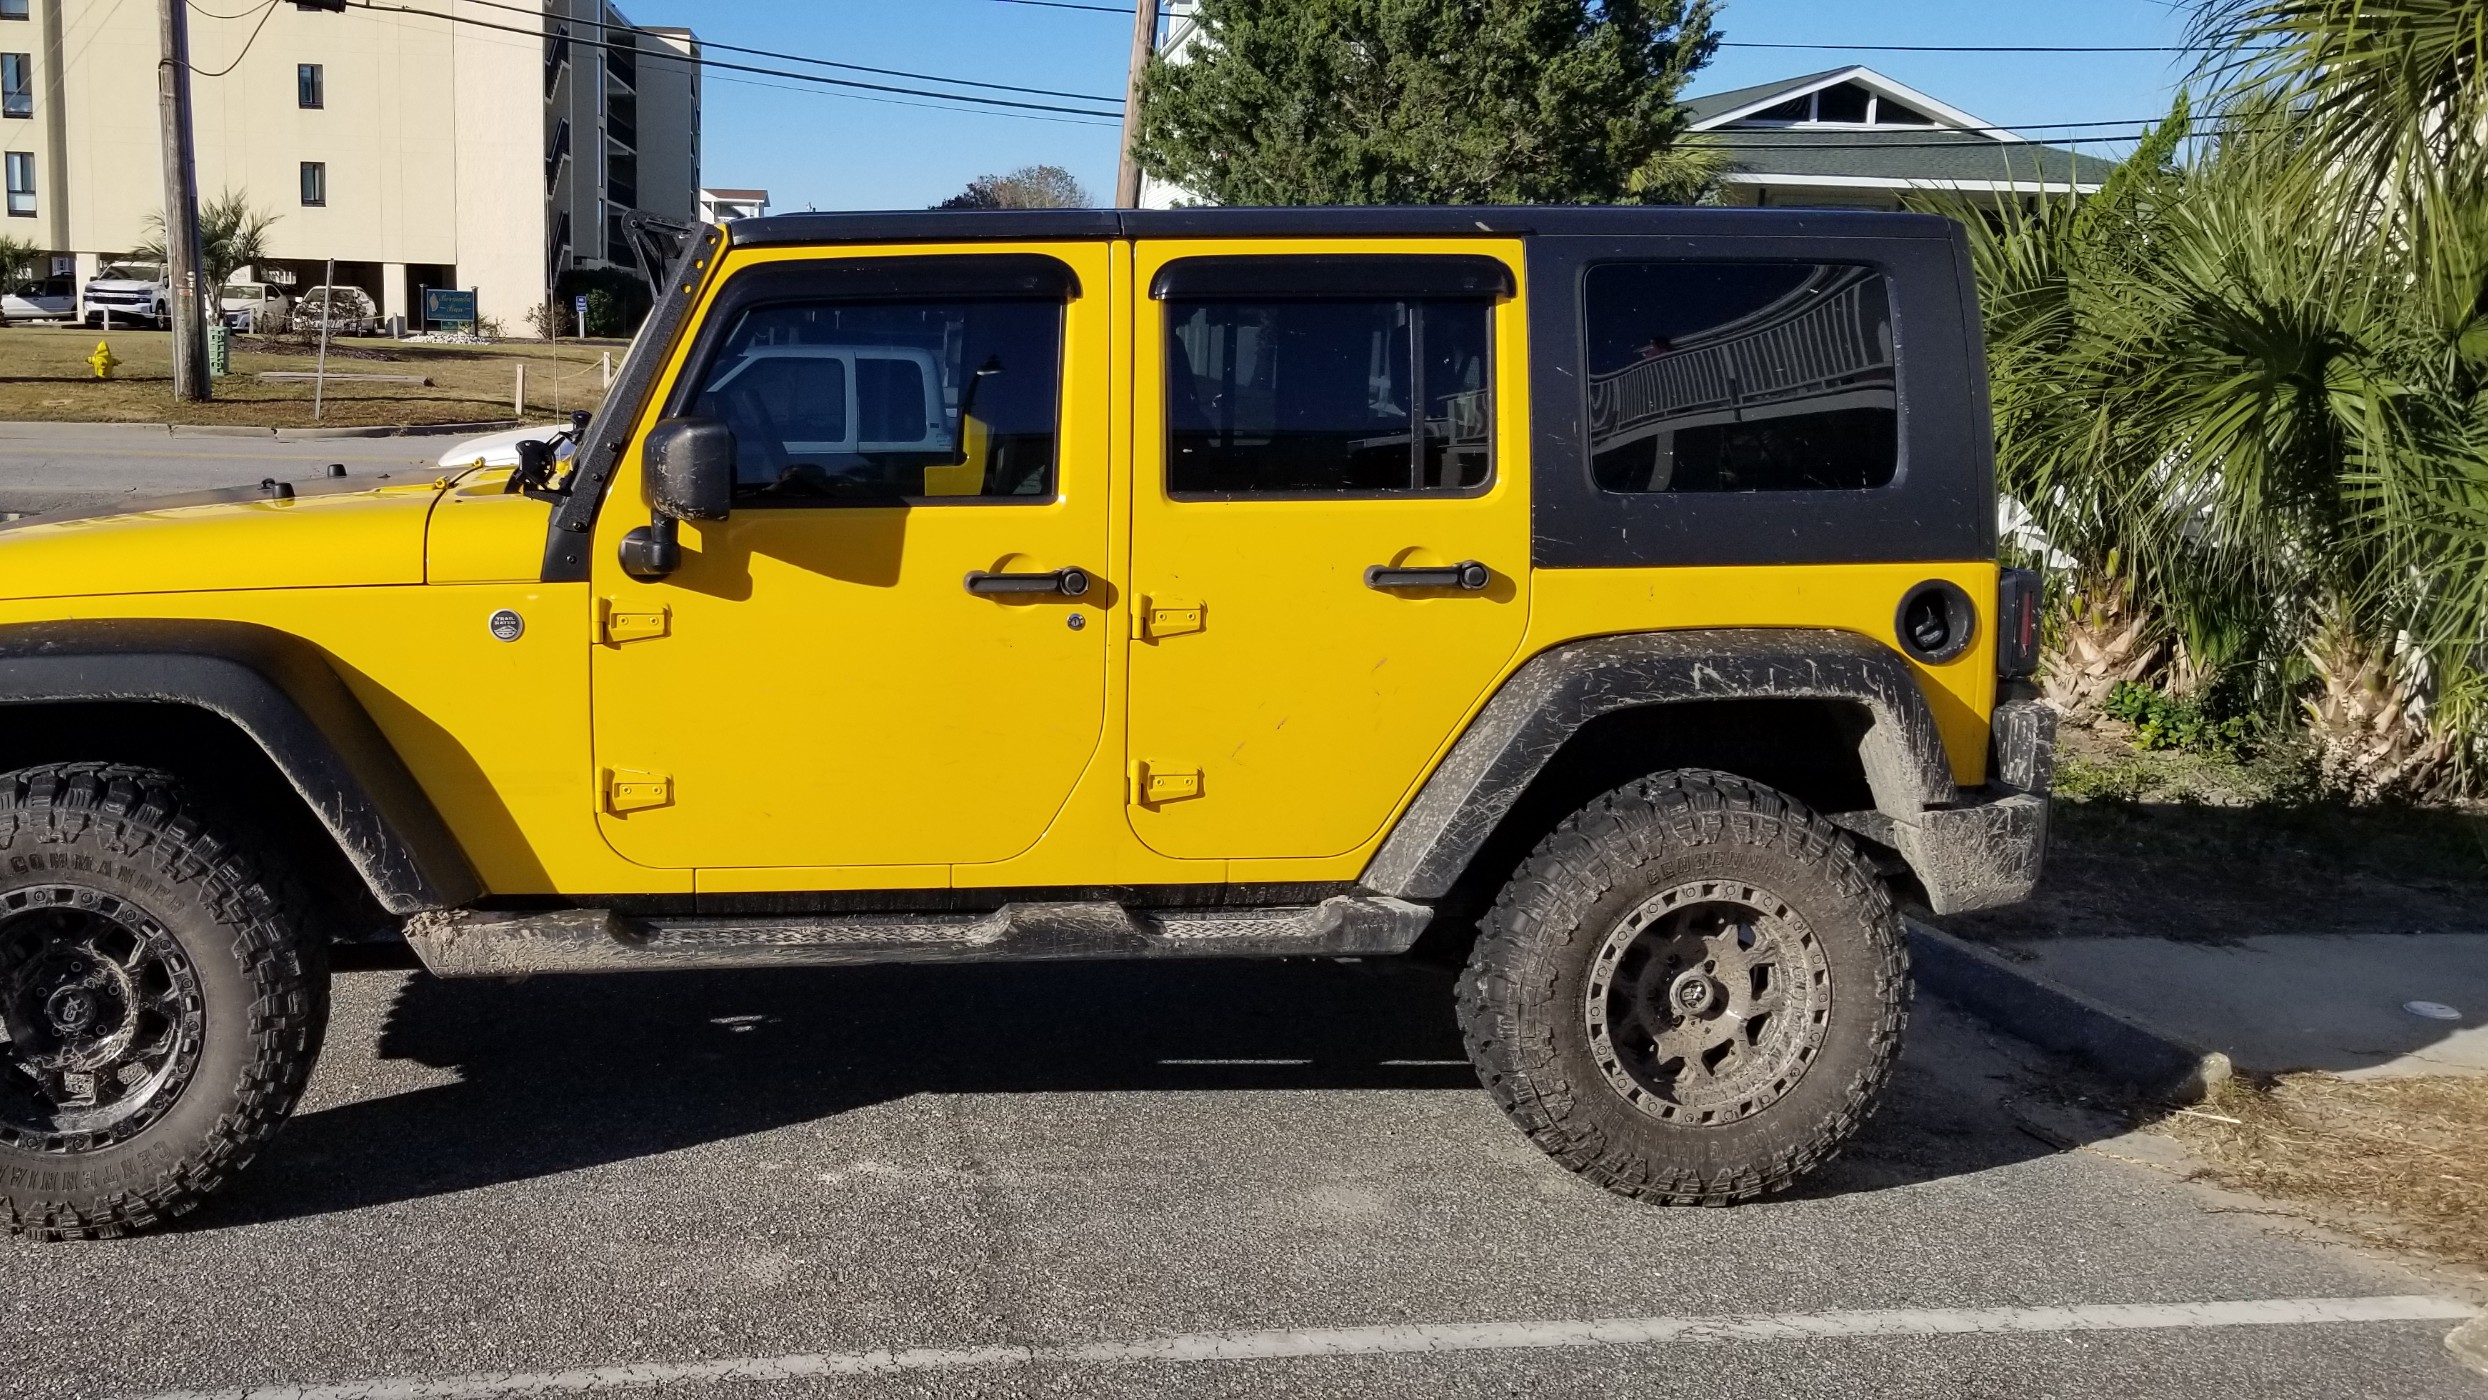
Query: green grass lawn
(44, 376)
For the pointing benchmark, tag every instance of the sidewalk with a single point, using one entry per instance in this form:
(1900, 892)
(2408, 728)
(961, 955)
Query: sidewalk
(2338, 1003)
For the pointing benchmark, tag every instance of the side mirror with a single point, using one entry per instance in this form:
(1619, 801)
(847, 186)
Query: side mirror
(690, 468)
(689, 463)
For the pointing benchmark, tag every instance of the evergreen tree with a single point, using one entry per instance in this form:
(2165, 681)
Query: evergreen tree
(1425, 101)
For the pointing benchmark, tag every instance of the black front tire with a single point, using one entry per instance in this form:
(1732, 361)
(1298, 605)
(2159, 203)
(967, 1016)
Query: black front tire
(1692, 992)
(160, 1006)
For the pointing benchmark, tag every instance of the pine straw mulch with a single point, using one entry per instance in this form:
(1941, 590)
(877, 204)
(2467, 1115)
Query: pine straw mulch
(2401, 1163)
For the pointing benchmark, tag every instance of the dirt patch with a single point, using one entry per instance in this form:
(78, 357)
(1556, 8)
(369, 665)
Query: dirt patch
(2399, 1163)
(44, 377)
(2215, 849)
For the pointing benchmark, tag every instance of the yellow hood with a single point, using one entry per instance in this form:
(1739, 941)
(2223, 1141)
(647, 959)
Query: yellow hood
(327, 535)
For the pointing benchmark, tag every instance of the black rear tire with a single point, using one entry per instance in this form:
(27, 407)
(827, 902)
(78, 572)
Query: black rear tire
(160, 1008)
(1692, 992)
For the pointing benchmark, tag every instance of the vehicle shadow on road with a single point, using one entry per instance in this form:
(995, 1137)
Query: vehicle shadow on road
(558, 1074)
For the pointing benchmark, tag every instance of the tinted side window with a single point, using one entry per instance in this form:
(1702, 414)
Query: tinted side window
(881, 402)
(1327, 396)
(1740, 376)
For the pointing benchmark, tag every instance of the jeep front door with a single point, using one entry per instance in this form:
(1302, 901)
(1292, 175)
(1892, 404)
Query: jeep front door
(1330, 554)
(881, 659)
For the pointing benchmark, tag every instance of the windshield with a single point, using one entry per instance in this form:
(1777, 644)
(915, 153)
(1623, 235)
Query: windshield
(128, 272)
(245, 291)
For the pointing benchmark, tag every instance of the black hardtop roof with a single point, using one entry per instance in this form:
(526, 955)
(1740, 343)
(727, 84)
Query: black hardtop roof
(1376, 221)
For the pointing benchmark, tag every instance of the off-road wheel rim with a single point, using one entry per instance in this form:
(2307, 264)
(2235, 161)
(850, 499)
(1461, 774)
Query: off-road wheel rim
(1707, 1002)
(101, 1019)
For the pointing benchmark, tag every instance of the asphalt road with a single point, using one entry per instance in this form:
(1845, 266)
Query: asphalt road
(1084, 1180)
(86, 467)
(1137, 1180)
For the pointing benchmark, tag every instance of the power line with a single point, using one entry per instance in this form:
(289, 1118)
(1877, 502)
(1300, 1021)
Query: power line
(1105, 125)
(270, 8)
(1974, 48)
(378, 8)
(819, 62)
(1124, 11)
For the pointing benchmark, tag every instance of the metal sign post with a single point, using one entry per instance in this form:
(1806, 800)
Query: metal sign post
(328, 313)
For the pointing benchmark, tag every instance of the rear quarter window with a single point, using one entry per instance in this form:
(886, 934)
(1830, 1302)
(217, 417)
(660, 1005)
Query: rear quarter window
(1720, 376)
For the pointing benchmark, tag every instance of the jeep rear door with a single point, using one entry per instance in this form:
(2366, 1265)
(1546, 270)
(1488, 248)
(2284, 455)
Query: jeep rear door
(867, 671)
(1330, 530)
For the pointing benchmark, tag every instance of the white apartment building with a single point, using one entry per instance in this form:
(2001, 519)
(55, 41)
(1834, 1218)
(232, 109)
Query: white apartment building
(484, 144)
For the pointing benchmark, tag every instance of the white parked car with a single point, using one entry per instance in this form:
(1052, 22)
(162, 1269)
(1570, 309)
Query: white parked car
(40, 299)
(255, 307)
(347, 310)
(126, 293)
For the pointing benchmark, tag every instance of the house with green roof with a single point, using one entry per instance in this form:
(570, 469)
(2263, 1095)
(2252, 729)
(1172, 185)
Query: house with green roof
(1853, 138)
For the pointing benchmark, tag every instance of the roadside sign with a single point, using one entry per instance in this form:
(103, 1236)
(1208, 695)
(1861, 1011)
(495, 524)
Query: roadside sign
(448, 306)
(579, 305)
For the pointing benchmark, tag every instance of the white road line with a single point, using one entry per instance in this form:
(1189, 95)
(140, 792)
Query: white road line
(1386, 1341)
(1235, 1062)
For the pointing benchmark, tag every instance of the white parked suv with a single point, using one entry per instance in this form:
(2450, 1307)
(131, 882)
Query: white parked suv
(123, 292)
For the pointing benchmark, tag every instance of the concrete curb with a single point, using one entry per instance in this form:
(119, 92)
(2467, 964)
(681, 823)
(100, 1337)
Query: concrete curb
(37, 427)
(2469, 1343)
(2058, 1018)
(409, 430)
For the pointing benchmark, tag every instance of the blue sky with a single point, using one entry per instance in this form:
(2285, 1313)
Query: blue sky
(809, 148)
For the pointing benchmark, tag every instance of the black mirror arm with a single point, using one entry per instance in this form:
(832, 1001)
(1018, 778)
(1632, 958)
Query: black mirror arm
(653, 551)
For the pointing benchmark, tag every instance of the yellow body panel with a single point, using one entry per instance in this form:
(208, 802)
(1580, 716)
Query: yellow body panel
(483, 534)
(342, 540)
(486, 726)
(1862, 598)
(1306, 701)
(830, 694)
(815, 702)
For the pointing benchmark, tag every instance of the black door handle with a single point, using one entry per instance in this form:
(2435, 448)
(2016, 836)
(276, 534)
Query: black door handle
(1070, 583)
(1467, 575)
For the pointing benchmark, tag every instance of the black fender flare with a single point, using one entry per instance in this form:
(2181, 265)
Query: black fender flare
(1559, 690)
(280, 691)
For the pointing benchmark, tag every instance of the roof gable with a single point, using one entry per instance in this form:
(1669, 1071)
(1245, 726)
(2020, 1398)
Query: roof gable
(1747, 104)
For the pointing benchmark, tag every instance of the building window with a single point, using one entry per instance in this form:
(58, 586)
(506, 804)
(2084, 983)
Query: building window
(314, 182)
(13, 9)
(310, 85)
(22, 184)
(17, 85)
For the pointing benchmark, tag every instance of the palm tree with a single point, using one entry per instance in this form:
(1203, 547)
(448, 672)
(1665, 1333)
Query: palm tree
(2247, 390)
(232, 236)
(2371, 116)
(2064, 448)
(2391, 90)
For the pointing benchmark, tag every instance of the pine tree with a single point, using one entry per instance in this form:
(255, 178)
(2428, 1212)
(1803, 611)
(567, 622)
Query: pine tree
(1425, 101)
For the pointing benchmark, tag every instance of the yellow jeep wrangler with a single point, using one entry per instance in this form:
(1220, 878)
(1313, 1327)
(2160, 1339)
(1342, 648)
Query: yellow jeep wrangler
(1614, 587)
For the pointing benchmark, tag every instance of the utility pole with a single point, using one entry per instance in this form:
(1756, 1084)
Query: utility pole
(1144, 48)
(185, 286)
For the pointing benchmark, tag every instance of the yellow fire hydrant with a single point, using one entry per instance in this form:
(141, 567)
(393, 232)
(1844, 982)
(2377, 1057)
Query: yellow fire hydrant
(103, 359)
